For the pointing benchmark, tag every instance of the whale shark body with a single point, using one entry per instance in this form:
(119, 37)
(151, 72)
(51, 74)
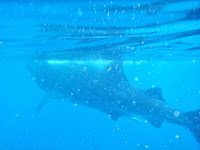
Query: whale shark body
(101, 84)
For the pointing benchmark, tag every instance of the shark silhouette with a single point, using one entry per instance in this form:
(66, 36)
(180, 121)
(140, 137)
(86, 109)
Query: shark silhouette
(101, 84)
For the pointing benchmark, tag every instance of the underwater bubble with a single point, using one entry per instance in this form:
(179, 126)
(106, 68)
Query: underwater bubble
(193, 61)
(176, 113)
(80, 12)
(133, 102)
(177, 136)
(84, 68)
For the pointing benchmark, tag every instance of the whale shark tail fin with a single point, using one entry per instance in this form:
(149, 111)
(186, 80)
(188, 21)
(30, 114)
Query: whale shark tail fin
(193, 123)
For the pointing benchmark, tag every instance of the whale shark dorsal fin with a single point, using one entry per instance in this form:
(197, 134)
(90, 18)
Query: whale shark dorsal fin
(156, 122)
(115, 71)
(155, 93)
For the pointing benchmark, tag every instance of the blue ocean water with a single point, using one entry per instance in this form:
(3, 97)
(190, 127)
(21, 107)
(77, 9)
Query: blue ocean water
(159, 38)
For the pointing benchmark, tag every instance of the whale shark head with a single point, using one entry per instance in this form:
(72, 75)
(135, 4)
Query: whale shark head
(61, 73)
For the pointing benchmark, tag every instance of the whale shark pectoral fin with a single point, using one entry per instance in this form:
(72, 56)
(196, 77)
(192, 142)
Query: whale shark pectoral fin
(42, 103)
(115, 115)
(156, 122)
(155, 93)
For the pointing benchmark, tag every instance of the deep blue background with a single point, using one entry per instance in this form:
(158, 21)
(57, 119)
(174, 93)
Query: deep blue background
(61, 125)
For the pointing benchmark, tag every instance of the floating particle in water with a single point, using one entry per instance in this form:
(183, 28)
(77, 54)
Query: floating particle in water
(75, 105)
(1, 42)
(146, 146)
(177, 136)
(126, 142)
(133, 102)
(176, 113)
(146, 121)
(136, 79)
(138, 144)
(109, 69)
(84, 68)
(108, 14)
(80, 12)
(135, 118)
(193, 61)
(153, 86)
(17, 115)
(199, 92)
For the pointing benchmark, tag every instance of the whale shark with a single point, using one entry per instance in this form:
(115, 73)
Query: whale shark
(100, 83)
